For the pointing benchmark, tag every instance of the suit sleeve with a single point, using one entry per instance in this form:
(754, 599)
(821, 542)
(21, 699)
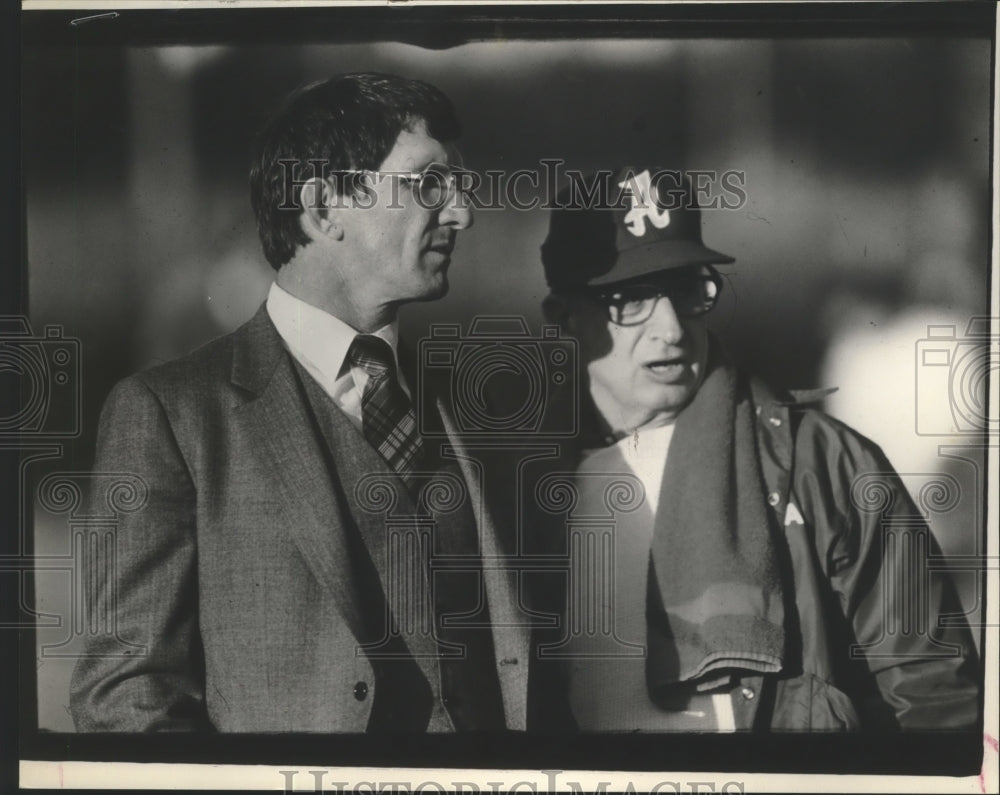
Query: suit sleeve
(877, 550)
(148, 674)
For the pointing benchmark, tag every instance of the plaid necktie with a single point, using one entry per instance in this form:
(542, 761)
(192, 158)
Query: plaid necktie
(387, 416)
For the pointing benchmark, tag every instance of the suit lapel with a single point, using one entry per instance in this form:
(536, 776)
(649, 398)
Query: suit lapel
(511, 638)
(279, 421)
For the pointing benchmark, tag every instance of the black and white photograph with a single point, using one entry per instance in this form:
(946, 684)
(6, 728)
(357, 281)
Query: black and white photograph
(549, 397)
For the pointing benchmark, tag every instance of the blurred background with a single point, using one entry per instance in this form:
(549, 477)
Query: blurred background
(867, 219)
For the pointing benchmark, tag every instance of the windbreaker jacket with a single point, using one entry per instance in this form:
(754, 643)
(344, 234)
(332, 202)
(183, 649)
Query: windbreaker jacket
(867, 651)
(864, 645)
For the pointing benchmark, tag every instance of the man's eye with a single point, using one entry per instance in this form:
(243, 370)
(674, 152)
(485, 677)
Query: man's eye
(630, 305)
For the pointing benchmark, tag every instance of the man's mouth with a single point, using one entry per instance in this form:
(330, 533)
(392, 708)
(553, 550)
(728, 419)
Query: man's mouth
(668, 369)
(442, 247)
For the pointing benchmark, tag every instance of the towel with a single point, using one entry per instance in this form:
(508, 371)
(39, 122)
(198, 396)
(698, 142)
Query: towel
(715, 603)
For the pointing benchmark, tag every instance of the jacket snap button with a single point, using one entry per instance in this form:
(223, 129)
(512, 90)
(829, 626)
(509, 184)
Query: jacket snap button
(361, 691)
(747, 693)
(773, 498)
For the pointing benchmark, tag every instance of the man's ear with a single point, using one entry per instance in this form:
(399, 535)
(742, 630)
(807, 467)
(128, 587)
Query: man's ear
(556, 309)
(318, 199)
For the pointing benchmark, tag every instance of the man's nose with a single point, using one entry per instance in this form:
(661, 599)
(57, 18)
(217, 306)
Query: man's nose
(664, 323)
(457, 211)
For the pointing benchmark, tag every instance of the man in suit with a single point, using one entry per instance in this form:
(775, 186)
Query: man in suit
(278, 575)
(766, 568)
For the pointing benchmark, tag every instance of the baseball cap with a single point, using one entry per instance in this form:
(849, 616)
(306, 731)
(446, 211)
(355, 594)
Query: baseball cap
(614, 226)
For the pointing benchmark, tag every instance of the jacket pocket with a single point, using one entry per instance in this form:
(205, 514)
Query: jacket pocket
(808, 703)
(832, 709)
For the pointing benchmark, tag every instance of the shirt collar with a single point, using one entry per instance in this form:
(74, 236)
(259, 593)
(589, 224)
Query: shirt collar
(318, 336)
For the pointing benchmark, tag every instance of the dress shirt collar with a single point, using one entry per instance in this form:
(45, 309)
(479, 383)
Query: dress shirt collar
(317, 336)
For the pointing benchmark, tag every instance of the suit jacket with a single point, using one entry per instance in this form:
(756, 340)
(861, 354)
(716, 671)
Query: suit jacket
(235, 601)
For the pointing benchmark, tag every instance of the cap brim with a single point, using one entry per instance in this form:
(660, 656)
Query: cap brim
(660, 256)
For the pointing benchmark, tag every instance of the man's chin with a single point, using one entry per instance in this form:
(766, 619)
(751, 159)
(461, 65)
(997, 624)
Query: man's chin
(435, 291)
(669, 400)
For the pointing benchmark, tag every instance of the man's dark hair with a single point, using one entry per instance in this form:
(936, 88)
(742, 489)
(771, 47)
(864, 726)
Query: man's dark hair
(347, 122)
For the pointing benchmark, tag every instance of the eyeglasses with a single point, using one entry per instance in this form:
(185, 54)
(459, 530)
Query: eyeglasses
(432, 187)
(691, 293)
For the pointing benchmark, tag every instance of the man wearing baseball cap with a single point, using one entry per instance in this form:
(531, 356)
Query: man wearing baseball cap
(748, 586)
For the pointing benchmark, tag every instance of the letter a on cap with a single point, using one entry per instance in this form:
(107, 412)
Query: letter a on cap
(643, 207)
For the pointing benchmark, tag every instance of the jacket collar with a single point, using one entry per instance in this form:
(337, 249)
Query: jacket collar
(257, 350)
